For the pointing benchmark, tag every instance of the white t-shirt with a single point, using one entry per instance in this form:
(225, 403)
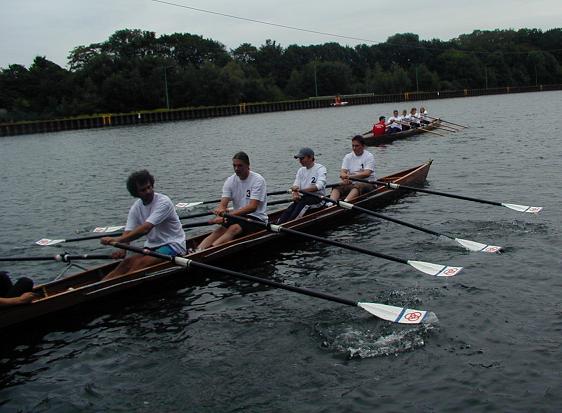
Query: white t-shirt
(414, 118)
(355, 164)
(242, 191)
(162, 214)
(395, 122)
(316, 175)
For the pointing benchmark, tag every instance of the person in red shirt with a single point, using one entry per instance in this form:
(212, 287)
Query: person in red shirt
(380, 127)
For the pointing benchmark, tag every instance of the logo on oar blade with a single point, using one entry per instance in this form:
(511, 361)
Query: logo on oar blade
(450, 271)
(413, 316)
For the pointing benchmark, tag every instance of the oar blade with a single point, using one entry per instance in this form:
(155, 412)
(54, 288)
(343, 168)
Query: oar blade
(394, 314)
(523, 208)
(109, 229)
(184, 205)
(45, 242)
(435, 269)
(478, 246)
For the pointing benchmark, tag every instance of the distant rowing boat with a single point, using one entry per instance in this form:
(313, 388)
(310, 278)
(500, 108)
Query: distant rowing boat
(86, 287)
(371, 140)
(339, 104)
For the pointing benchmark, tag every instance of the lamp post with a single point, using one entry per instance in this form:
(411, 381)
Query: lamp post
(166, 87)
(315, 80)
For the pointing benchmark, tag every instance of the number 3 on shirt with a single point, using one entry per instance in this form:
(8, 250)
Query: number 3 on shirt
(247, 193)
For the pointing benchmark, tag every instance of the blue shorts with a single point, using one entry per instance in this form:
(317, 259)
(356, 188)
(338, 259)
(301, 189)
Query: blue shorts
(166, 249)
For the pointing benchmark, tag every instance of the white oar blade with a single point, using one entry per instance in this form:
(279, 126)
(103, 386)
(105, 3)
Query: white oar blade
(109, 229)
(477, 246)
(45, 242)
(435, 269)
(395, 314)
(524, 208)
(183, 205)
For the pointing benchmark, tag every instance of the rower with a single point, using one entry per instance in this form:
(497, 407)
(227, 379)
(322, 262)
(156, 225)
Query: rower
(15, 294)
(248, 192)
(405, 120)
(310, 177)
(424, 116)
(379, 128)
(359, 163)
(153, 215)
(414, 118)
(395, 122)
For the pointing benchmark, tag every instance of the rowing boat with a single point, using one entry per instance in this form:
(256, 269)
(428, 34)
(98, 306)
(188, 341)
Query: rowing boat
(88, 286)
(371, 140)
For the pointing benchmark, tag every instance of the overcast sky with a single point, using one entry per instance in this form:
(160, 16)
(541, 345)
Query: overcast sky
(52, 28)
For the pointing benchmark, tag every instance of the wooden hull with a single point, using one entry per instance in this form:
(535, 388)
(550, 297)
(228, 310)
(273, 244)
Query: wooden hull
(88, 286)
(391, 137)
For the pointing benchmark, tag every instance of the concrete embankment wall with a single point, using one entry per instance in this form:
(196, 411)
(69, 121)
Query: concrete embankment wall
(171, 115)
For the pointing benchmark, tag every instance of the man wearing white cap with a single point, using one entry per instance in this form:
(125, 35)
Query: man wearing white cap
(311, 177)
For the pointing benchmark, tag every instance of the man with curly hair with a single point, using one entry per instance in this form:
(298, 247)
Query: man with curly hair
(153, 215)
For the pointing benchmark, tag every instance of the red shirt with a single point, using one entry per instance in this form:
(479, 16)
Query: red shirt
(379, 128)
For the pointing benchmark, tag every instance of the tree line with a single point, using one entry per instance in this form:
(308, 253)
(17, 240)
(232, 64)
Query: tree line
(136, 70)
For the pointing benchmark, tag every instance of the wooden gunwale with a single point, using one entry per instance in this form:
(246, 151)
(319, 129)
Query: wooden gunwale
(88, 285)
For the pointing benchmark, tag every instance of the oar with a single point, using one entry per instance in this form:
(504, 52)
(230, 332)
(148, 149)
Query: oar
(47, 242)
(391, 313)
(515, 207)
(202, 214)
(446, 121)
(469, 245)
(447, 128)
(59, 257)
(429, 131)
(425, 267)
(423, 129)
(196, 224)
(183, 205)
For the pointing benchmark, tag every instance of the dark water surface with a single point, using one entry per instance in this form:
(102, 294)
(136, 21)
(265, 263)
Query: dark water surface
(218, 345)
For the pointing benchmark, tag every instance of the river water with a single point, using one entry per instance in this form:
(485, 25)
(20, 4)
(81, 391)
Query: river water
(220, 345)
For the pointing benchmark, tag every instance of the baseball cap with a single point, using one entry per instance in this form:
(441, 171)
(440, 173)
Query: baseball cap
(304, 152)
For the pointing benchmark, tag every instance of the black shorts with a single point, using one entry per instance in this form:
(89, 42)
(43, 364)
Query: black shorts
(247, 227)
